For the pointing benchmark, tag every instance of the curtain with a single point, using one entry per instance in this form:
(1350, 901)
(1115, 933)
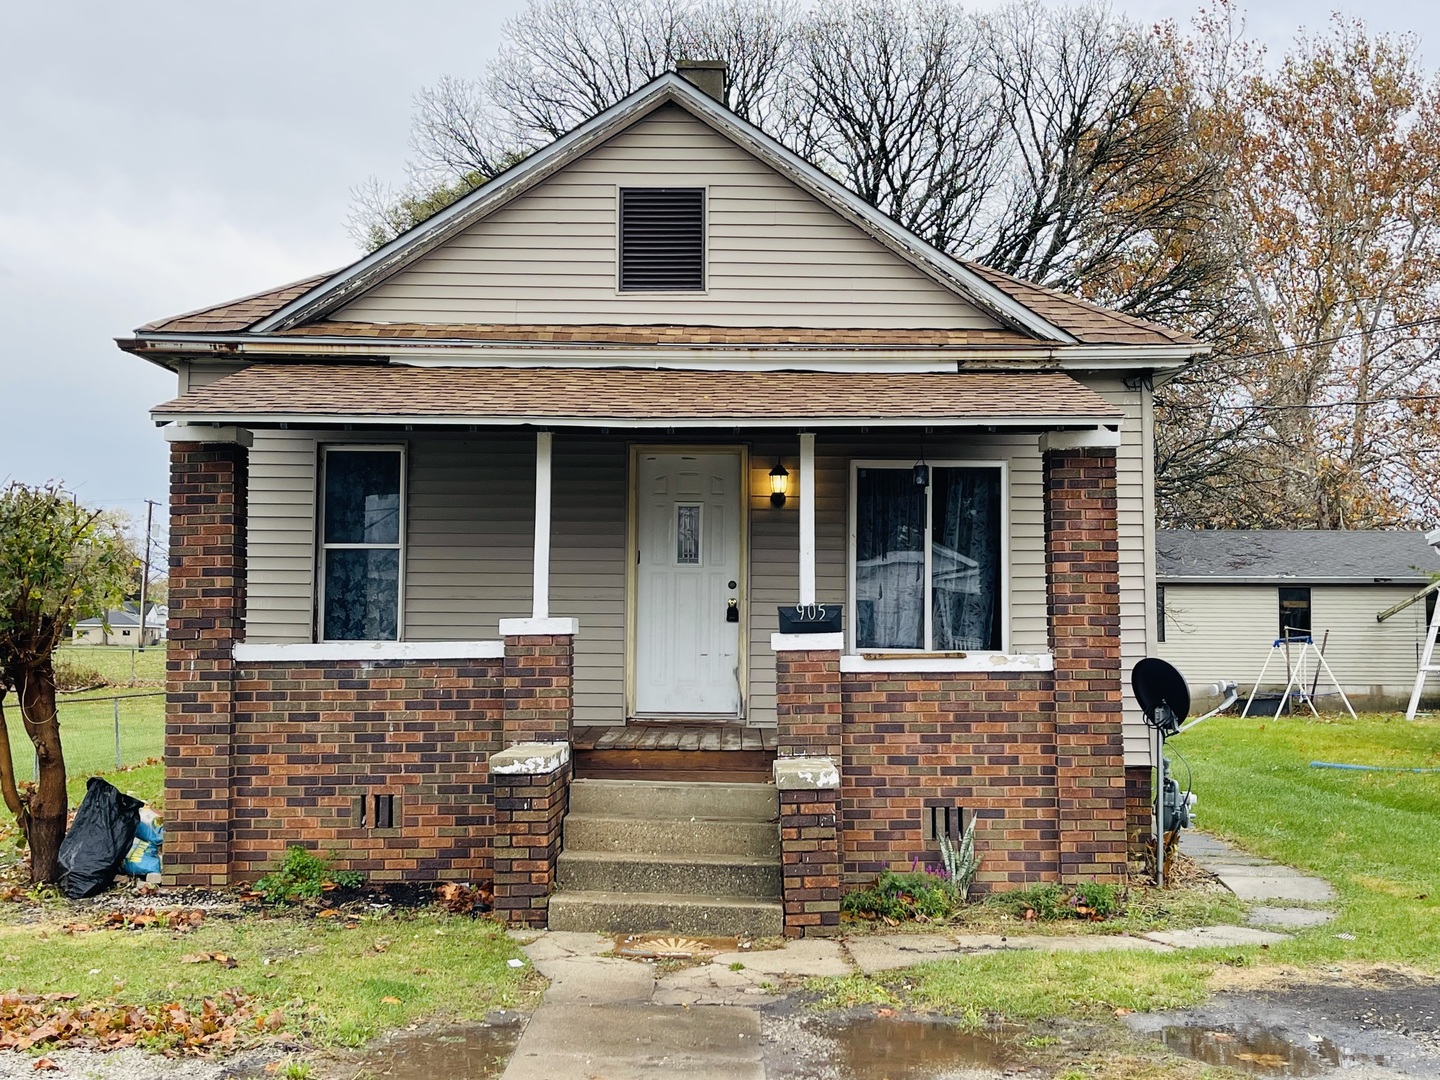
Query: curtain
(965, 559)
(889, 560)
(362, 594)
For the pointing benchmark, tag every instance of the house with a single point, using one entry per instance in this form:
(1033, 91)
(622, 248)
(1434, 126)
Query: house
(499, 520)
(1227, 596)
(121, 626)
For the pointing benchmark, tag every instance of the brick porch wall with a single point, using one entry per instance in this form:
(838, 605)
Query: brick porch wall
(1082, 554)
(207, 604)
(984, 741)
(314, 739)
(539, 688)
(1139, 812)
(807, 703)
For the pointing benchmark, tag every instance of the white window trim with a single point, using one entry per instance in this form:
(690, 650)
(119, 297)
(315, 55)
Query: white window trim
(322, 546)
(1004, 577)
(704, 289)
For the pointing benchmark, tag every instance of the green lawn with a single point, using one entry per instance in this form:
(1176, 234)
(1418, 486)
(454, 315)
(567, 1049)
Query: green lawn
(118, 666)
(1372, 835)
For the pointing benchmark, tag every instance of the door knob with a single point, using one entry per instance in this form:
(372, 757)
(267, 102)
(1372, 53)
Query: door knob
(732, 610)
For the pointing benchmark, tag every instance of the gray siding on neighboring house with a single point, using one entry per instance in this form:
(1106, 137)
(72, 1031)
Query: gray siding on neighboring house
(776, 256)
(1222, 631)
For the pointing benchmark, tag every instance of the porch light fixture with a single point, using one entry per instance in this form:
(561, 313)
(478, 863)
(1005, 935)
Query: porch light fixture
(779, 484)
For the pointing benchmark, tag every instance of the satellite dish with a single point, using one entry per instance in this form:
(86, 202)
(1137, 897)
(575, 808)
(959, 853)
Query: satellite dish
(1161, 691)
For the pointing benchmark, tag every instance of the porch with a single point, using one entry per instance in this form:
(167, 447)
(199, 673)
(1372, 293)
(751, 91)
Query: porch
(468, 715)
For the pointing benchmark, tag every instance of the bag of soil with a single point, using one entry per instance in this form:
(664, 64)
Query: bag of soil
(98, 840)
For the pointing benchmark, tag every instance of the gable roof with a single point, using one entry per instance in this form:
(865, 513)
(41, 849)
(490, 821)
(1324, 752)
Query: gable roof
(1299, 556)
(1039, 316)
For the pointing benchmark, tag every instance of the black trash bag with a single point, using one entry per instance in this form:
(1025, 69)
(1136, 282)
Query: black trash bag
(99, 838)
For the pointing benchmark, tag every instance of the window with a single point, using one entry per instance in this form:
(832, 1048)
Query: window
(928, 559)
(1295, 612)
(662, 239)
(1160, 613)
(362, 523)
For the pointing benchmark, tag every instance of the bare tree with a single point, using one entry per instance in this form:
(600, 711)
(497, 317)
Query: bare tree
(895, 101)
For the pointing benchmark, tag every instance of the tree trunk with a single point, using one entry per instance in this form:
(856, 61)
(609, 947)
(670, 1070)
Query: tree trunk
(9, 790)
(48, 808)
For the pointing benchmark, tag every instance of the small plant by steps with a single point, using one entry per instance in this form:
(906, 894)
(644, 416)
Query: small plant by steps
(932, 894)
(303, 875)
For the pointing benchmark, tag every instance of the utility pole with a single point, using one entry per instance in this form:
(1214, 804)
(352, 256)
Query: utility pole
(150, 505)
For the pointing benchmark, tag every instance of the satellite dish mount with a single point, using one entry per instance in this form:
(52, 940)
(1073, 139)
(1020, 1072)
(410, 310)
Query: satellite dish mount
(1165, 700)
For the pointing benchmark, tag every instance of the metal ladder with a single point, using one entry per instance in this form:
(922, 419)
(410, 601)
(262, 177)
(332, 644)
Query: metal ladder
(1427, 665)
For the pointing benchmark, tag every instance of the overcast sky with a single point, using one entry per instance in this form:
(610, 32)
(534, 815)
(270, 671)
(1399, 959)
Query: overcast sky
(159, 156)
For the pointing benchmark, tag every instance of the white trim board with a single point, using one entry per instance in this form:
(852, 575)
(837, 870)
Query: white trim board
(245, 652)
(976, 662)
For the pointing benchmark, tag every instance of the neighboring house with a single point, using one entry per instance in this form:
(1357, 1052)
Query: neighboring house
(544, 469)
(1229, 595)
(121, 627)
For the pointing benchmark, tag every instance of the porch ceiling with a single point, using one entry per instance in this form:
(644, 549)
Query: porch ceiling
(269, 394)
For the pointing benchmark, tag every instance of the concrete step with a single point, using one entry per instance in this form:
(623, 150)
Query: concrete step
(699, 836)
(674, 800)
(705, 875)
(698, 916)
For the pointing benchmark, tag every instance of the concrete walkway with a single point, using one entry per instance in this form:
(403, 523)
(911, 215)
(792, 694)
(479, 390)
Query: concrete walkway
(604, 1015)
(1274, 889)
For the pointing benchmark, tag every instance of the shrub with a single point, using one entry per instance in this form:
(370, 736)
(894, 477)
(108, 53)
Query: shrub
(303, 875)
(71, 675)
(913, 895)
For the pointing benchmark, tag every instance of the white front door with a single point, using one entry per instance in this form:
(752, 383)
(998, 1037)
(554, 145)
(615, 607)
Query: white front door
(687, 652)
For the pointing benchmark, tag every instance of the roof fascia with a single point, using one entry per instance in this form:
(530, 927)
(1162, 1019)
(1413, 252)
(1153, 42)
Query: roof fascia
(802, 423)
(1291, 579)
(468, 352)
(668, 88)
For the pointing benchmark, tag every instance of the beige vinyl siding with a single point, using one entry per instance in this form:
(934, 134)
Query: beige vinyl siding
(280, 538)
(1135, 523)
(587, 567)
(470, 523)
(469, 554)
(1215, 632)
(775, 256)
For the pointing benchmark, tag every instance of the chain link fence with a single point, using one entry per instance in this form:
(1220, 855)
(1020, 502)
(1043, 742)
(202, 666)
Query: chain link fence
(115, 716)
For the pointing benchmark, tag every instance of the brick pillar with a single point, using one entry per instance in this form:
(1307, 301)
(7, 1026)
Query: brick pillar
(207, 610)
(1083, 588)
(532, 784)
(810, 860)
(539, 679)
(807, 695)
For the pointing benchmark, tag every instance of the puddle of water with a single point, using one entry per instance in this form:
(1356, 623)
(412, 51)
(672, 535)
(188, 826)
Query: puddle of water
(1260, 1051)
(472, 1051)
(882, 1048)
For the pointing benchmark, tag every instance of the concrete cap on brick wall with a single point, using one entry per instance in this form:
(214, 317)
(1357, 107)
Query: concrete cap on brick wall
(806, 773)
(1099, 438)
(530, 759)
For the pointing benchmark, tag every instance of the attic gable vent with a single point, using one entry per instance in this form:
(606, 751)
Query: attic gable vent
(662, 239)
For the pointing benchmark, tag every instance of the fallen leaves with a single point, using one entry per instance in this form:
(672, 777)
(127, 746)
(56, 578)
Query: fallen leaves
(209, 957)
(44, 1064)
(463, 899)
(164, 919)
(51, 1020)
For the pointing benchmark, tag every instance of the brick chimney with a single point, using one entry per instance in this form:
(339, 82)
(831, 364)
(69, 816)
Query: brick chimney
(708, 75)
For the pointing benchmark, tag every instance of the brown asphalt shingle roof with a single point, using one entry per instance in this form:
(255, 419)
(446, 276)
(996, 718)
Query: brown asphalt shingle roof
(1090, 324)
(595, 394)
(234, 315)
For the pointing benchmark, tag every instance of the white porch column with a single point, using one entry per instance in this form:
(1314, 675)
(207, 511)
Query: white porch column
(540, 608)
(807, 518)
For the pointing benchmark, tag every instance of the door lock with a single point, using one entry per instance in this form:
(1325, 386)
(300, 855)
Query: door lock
(732, 610)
